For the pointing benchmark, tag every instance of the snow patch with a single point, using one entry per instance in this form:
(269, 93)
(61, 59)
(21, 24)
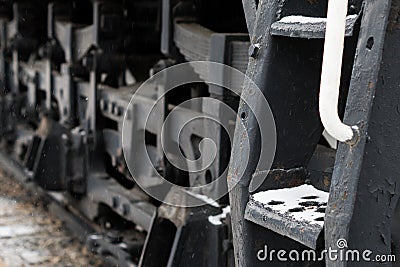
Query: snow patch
(302, 203)
(217, 219)
(309, 20)
(204, 198)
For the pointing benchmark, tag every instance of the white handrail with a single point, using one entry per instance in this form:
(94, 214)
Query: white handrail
(331, 72)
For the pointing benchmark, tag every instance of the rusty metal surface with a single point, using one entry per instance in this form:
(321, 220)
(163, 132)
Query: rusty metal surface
(303, 231)
(378, 191)
(344, 190)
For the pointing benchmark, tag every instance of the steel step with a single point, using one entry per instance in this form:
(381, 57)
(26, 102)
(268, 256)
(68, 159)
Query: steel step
(297, 212)
(308, 27)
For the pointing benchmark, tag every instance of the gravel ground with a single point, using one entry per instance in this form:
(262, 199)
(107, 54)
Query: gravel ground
(30, 236)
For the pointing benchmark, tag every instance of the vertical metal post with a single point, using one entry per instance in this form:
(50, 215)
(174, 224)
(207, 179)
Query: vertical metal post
(349, 159)
(378, 191)
(92, 96)
(92, 101)
(250, 9)
(49, 69)
(3, 43)
(49, 84)
(15, 68)
(15, 57)
(239, 186)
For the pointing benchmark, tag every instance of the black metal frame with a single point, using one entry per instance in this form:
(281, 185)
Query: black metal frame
(363, 194)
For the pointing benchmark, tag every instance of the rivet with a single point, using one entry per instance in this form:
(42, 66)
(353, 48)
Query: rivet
(254, 50)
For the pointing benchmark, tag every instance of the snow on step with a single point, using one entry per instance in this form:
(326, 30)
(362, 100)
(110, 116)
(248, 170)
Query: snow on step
(309, 20)
(308, 27)
(302, 203)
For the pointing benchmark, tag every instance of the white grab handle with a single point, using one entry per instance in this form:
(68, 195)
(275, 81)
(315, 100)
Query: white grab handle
(331, 72)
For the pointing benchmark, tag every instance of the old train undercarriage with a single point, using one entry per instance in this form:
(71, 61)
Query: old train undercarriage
(69, 125)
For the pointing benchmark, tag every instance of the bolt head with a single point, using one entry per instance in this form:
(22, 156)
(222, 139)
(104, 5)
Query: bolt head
(254, 50)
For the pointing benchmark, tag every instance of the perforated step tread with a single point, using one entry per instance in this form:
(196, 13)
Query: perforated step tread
(296, 212)
(307, 27)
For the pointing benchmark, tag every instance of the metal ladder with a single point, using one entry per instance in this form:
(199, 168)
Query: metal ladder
(285, 61)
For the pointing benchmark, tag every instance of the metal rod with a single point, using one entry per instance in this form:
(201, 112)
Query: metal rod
(331, 72)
